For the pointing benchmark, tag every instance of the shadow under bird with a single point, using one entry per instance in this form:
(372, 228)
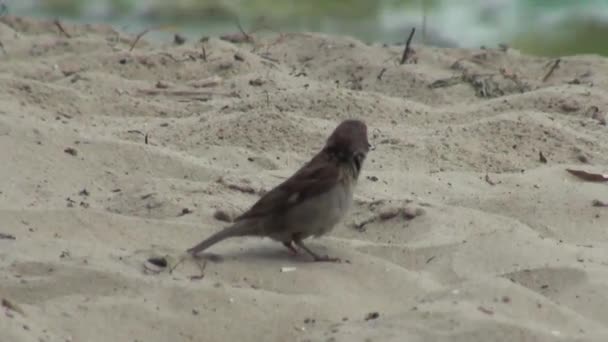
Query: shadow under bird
(309, 203)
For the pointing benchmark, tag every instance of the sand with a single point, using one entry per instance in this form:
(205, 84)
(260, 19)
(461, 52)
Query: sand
(459, 231)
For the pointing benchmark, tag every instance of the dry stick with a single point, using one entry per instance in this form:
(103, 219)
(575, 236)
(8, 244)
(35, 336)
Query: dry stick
(407, 51)
(153, 92)
(553, 67)
(238, 24)
(379, 77)
(489, 181)
(61, 29)
(141, 34)
(204, 52)
(240, 37)
(201, 268)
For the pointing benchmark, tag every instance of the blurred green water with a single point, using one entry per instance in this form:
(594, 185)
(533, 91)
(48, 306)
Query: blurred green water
(545, 27)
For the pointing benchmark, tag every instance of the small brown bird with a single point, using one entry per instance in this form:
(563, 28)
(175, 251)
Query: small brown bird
(309, 203)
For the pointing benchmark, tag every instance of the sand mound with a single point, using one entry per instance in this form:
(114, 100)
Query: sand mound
(459, 233)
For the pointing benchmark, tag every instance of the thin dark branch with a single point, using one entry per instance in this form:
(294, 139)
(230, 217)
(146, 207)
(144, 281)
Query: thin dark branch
(138, 37)
(167, 92)
(61, 29)
(407, 51)
(553, 67)
(379, 77)
(247, 36)
(240, 37)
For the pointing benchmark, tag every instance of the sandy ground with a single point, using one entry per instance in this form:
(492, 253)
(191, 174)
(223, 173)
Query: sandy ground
(111, 157)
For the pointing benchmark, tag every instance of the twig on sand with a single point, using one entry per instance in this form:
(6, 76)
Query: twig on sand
(138, 37)
(407, 51)
(245, 34)
(12, 306)
(554, 66)
(245, 188)
(241, 37)
(380, 74)
(201, 267)
(168, 92)
(489, 181)
(590, 177)
(61, 29)
(7, 236)
(598, 203)
(204, 52)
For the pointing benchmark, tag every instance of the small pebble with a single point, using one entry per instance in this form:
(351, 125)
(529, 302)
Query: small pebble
(223, 215)
(178, 39)
(162, 85)
(410, 212)
(389, 213)
(372, 315)
(71, 151)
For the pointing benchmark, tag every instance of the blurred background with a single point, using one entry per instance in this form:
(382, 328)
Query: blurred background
(542, 27)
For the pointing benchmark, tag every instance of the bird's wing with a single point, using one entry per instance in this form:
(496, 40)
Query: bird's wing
(313, 179)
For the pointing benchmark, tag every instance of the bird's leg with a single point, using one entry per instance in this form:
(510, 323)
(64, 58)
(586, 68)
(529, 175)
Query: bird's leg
(290, 246)
(316, 256)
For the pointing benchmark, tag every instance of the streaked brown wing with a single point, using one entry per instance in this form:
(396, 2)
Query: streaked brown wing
(313, 179)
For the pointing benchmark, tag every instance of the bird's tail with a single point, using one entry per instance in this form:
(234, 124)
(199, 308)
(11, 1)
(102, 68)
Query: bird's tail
(240, 228)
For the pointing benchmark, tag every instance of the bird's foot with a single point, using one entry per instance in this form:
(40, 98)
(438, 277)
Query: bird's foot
(291, 248)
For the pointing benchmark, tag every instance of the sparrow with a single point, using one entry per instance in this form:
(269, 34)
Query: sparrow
(309, 203)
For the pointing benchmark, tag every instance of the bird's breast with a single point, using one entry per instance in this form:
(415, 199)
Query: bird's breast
(318, 215)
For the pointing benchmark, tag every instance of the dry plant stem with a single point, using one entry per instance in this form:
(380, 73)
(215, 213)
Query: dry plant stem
(590, 177)
(200, 266)
(179, 262)
(241, 37)
(201, 269)
(379, 77)
(598, 203)
(138, 37)
(489, 181)
(204, 52)
(166, 92)
(61, 29)
(553, 67)
(247, 36)
(407, 51)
